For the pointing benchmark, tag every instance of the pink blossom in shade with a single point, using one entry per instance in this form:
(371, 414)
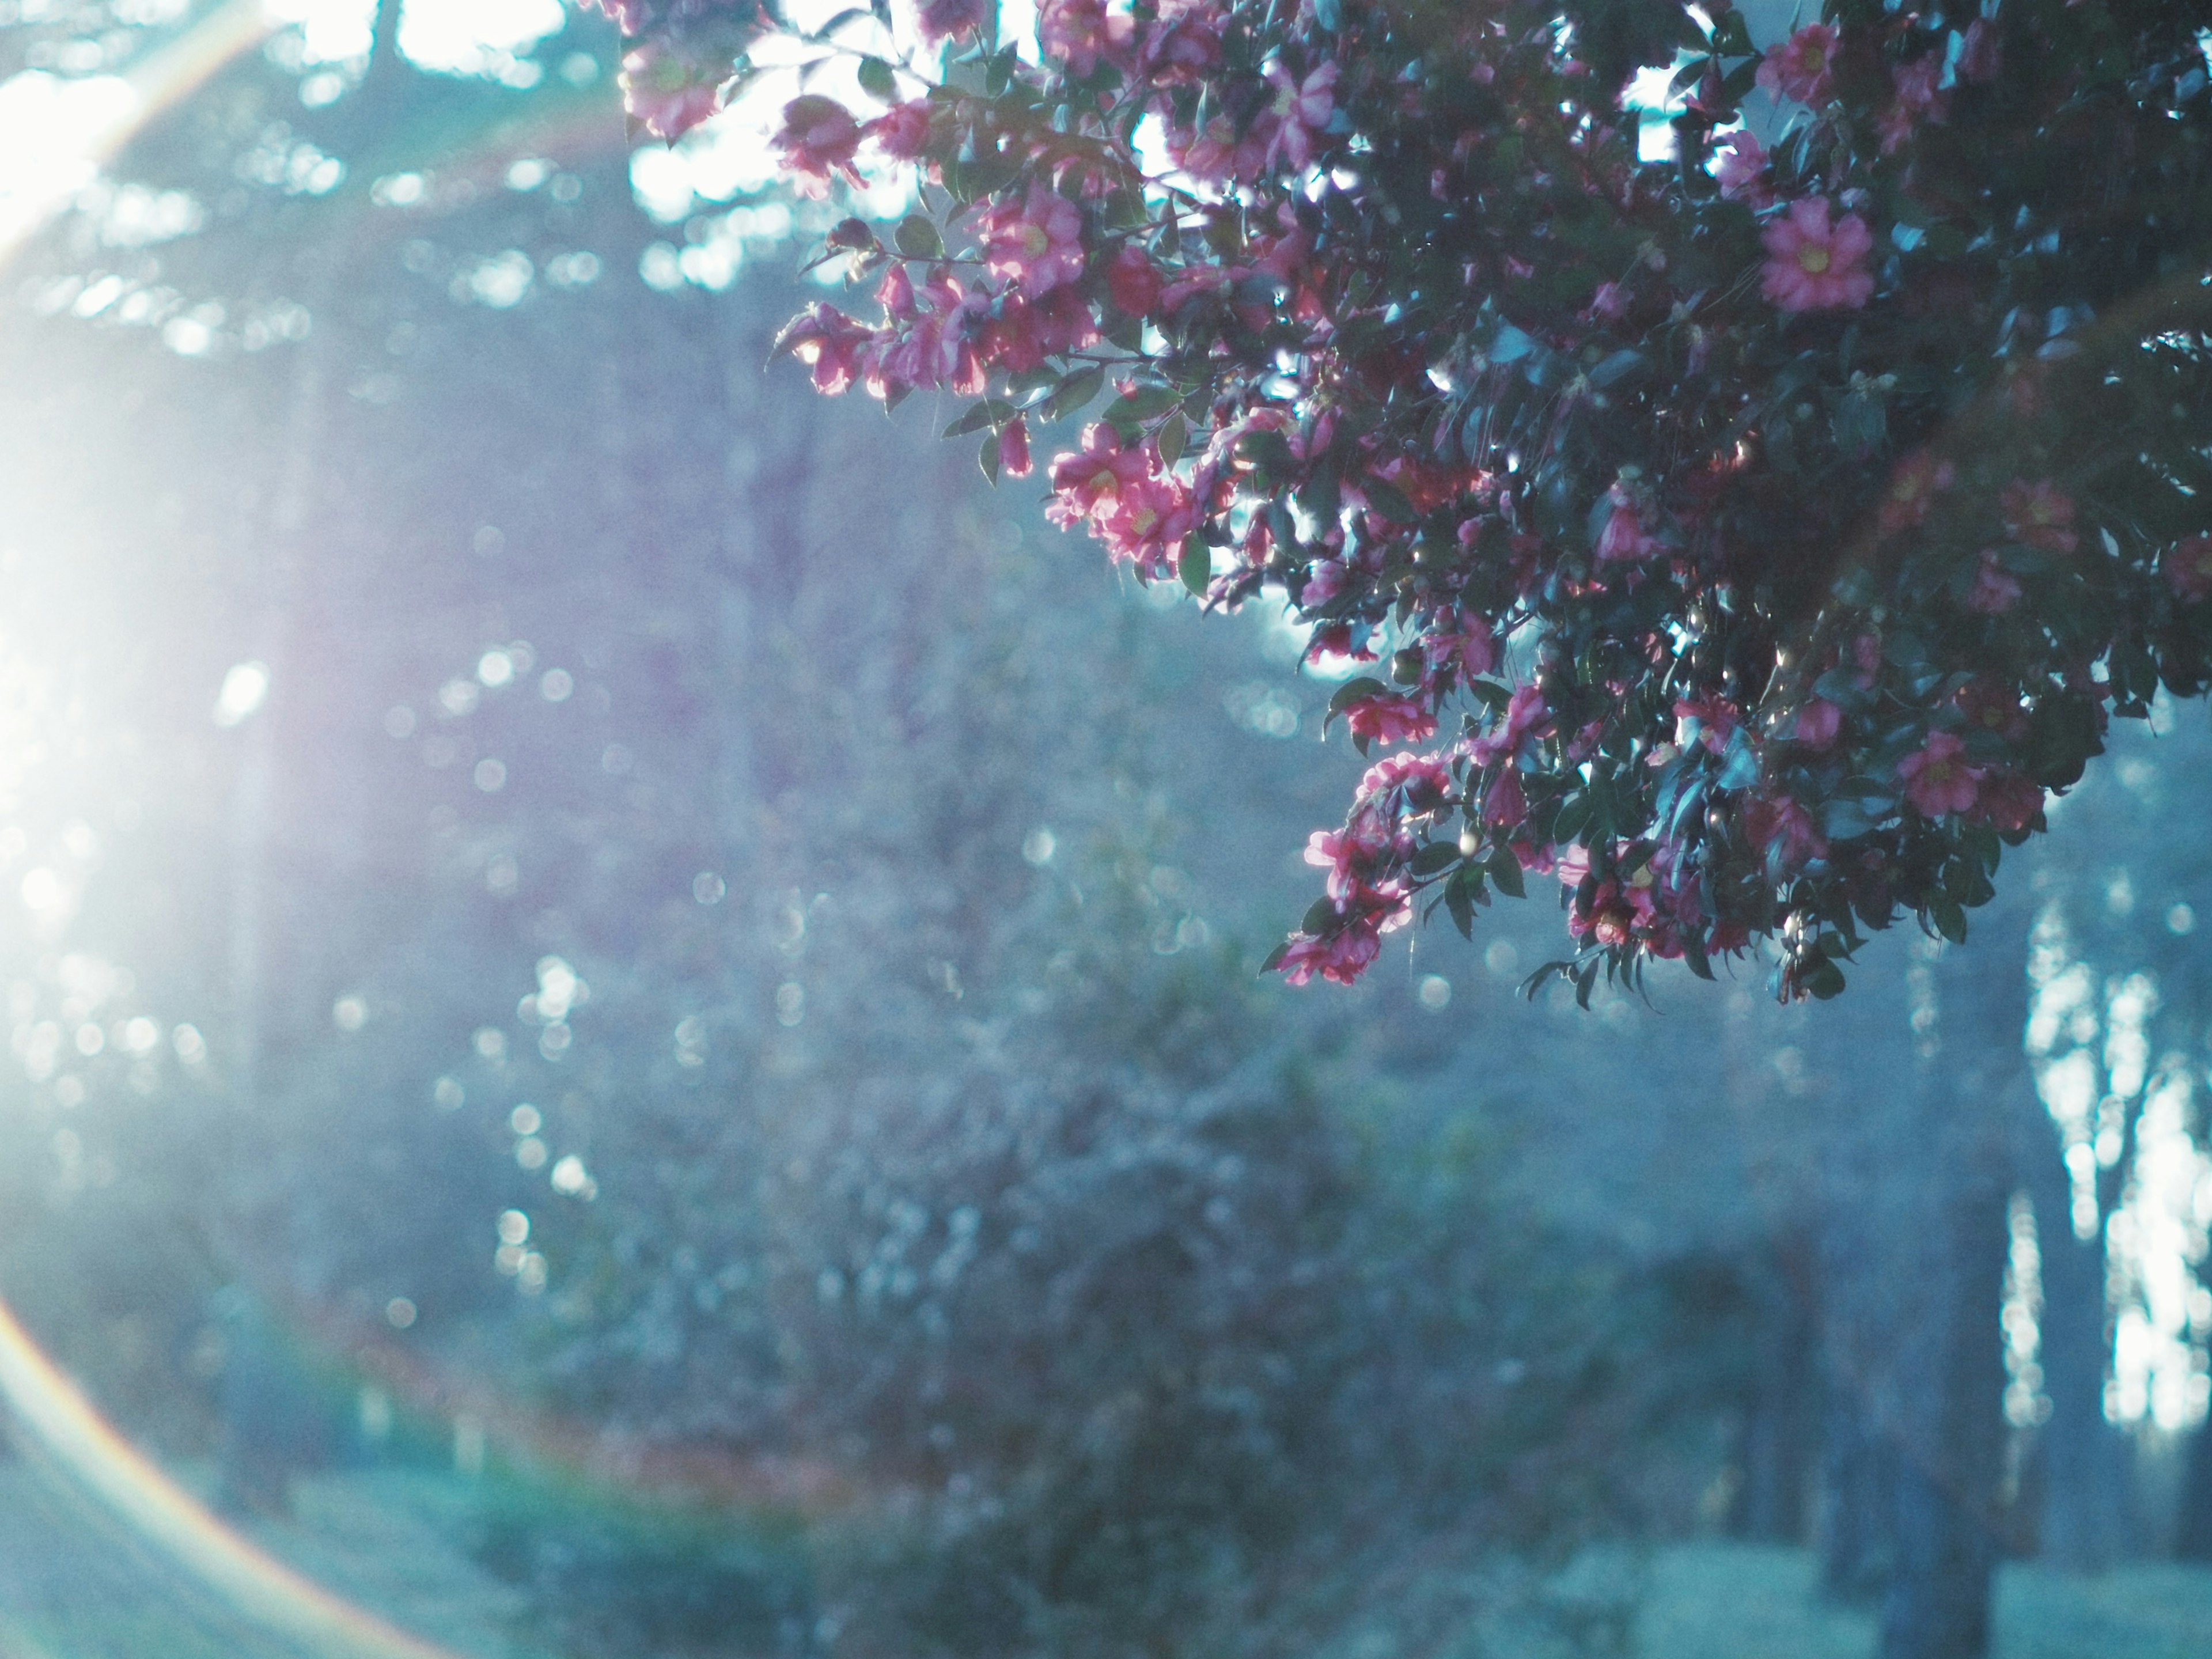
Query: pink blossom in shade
(2188, 568)
(1525, 711)
(936, 20)
(1815, 265)
(1608, 305)
(1995, 590)
(1469, 647)
(1079, 33)
(1623, 541)
(1981, 55)
(1014, 448)
(1819, 723)
(1912, 491)
(1993, 706)
(1803, 66)
(901, 133)
(1302, 109)
(1740, 163)
(666, 92)
(1866, 654)
(2040, 515)
(1710, 720)
(1388, 718)
(1182, 45)
(1324, 581)
(2009, 800)
(1937, 779)
(1133, 281)
(817, 139)
(1036, 242)
(1218, 153)
(1785, 825)
(829, 342)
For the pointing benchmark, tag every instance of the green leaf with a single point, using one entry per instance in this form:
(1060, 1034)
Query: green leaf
(1194, 564)
(1275, 957)
(1732, 36)
(1949, 918)
(1321, 917)
(1505, 871)
(917, 237)
(877, 80)
(1173, 434)
(1143, 401)
(1074, 390)
(1574, 818)
(1461, 904)
(1389, 501)
(1436, 855)
(987, 458)
(991, 412)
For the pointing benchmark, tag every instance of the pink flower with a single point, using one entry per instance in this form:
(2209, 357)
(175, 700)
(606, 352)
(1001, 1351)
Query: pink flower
(1740, 164)
(1505, 802)
(901, 133)
(1080, 31)
(1995, 590)
(945, 19)
(1803, 66)
(1146, 522)
(667, 93)
(1133, 281)
(1344, 853)
(1302, 109)
(1816, 266)
(1993, 706)
(1912, 491)
(2188, 568)
(1470, 647)
(817, 139)
(1623, 541)
(1038, 243)
(1524, 711)
(2010, 801)
(1014, 448)
(1937, 779)
(1324, 581)
(828, 342)
(1710, 720)
(2040, 515)
(1426, 779)
(1820, 722)
(1786, 825)
(1083, 482)
(1982, 54)
(1342, 956)
(1388, 718)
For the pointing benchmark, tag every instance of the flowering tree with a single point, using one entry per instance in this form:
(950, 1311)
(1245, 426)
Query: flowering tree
(1749, 538)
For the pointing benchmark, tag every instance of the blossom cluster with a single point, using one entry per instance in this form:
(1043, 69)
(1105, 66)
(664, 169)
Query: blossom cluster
(1723, 530)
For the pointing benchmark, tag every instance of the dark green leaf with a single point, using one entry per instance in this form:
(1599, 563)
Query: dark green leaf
(917, 238)
(877, 80)
(1073, 392)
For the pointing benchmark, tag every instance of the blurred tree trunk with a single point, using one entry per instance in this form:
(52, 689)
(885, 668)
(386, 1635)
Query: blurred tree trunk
(2192, 1532)
(1782, 1428)
(2082, 1523)
(1947, 1390)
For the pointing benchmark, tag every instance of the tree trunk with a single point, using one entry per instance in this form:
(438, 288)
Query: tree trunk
(2192, 1531)
(2081, 1521)
(1781, 1429)
(1947, 1385)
